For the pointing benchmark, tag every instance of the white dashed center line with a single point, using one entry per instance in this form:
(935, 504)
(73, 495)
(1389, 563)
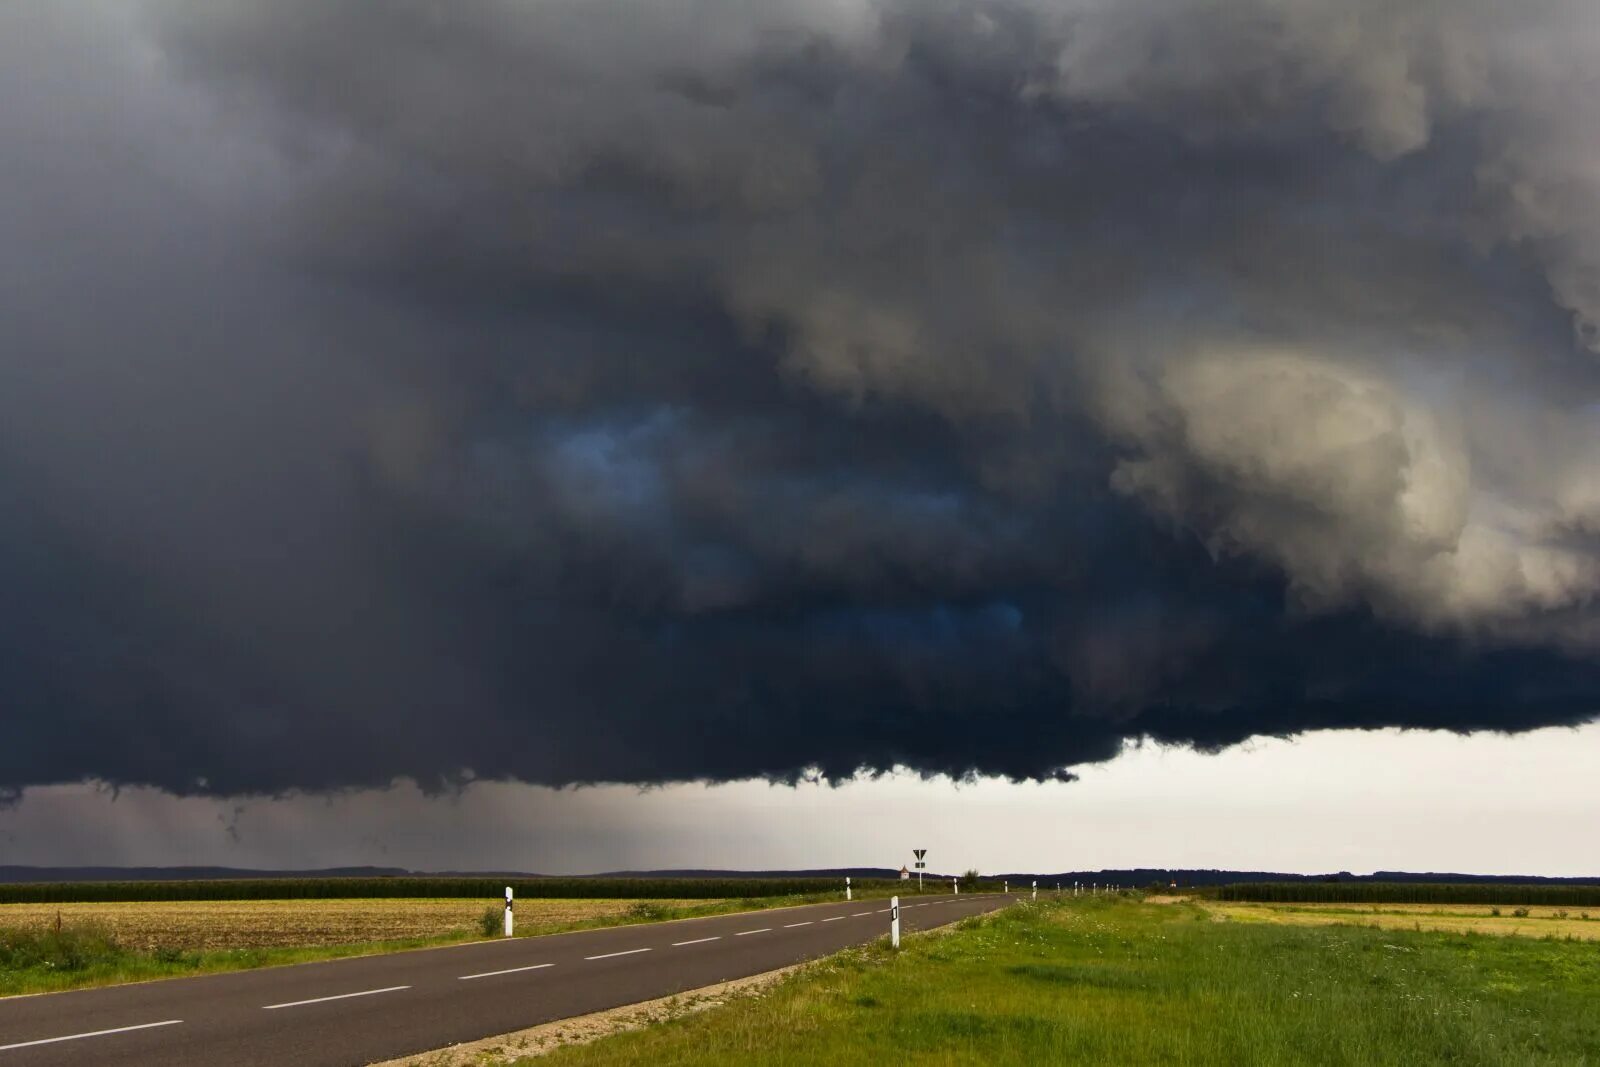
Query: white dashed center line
(696, 941)
(859, 914)
(508, 970)
(341, 996)
(608, 955)
(791, 926)
(835, 918)
(92, 1033)
(745, 933)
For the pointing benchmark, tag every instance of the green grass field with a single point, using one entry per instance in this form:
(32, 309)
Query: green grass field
(1110, 981)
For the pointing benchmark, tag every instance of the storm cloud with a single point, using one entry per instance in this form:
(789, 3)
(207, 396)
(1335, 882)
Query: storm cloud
(612, 391)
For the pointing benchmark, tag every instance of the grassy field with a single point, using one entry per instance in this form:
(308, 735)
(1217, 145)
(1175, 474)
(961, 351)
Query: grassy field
(1525, 921)
(108, 943)
(1108, 981)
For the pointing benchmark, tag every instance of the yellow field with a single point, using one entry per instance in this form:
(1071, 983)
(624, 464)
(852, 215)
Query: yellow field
(282, 923)
(1451, 918)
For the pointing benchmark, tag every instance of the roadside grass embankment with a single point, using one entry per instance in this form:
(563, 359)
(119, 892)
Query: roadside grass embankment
(1114, 981)
(52, 947)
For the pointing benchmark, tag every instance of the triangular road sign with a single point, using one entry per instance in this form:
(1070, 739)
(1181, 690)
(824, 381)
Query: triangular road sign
(920, 852)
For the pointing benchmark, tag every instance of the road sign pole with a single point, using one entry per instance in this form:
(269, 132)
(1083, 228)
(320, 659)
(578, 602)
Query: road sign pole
(894, 922)
(510, 924)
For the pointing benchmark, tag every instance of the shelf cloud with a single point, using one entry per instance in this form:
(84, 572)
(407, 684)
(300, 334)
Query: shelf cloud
(614, 391)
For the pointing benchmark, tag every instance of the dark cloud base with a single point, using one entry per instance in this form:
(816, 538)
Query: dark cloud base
(564, 394)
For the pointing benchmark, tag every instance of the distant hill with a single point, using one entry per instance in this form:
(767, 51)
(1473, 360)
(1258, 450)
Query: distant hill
(827, 872)
(19, 874)
(178, 874)
(1137, 877)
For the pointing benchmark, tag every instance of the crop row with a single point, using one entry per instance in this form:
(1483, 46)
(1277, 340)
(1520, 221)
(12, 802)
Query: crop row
(1411, 893)
(352, 888)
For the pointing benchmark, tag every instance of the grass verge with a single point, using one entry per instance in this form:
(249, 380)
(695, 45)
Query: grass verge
(1124, 982)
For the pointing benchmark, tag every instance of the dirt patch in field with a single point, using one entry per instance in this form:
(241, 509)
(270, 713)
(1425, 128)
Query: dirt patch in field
(195, 925)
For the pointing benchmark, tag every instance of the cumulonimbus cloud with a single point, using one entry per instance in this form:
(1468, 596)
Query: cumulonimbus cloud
(617, 391)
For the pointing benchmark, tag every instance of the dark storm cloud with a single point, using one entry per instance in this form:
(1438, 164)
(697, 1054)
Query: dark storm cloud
(611, 391)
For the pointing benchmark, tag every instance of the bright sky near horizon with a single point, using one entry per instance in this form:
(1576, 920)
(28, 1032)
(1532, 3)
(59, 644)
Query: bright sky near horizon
(1335, 800)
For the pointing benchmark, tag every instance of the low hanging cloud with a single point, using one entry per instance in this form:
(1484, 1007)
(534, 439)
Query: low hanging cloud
(610, 391)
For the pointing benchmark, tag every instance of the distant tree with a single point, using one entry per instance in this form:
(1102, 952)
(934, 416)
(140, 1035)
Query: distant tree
(970, 879)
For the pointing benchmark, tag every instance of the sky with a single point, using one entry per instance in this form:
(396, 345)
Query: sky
(503, 407)
(1324, 802)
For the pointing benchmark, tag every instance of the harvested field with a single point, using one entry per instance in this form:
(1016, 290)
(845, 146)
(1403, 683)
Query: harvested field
(204, 925)
(1580, 923)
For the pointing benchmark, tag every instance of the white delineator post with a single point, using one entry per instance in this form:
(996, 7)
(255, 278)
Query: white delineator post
(510, 924)
(894, 922)
(955, 885)
(847, 887)
(1036, 889)
(1005, 887)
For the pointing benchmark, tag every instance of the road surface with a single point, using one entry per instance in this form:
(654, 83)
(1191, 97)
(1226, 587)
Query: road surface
(373, 1008)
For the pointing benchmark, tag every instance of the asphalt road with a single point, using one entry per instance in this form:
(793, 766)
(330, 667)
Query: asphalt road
(373, 1008)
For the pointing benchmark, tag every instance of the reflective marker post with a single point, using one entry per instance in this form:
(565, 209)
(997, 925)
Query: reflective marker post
(894, 922)
(1036, 889)
(509, 923)
(847, 887)
(955, 885)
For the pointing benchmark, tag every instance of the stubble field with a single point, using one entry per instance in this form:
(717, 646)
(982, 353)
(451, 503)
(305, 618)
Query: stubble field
(1565, 923)
(213, 925)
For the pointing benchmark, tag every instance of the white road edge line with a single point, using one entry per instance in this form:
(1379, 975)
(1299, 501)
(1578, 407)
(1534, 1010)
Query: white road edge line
(791, 926)
(608, 955)
(341, 996)
(95, 1033)
(835, 918)
(509, 970)
(763, 930)
(696, 941)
